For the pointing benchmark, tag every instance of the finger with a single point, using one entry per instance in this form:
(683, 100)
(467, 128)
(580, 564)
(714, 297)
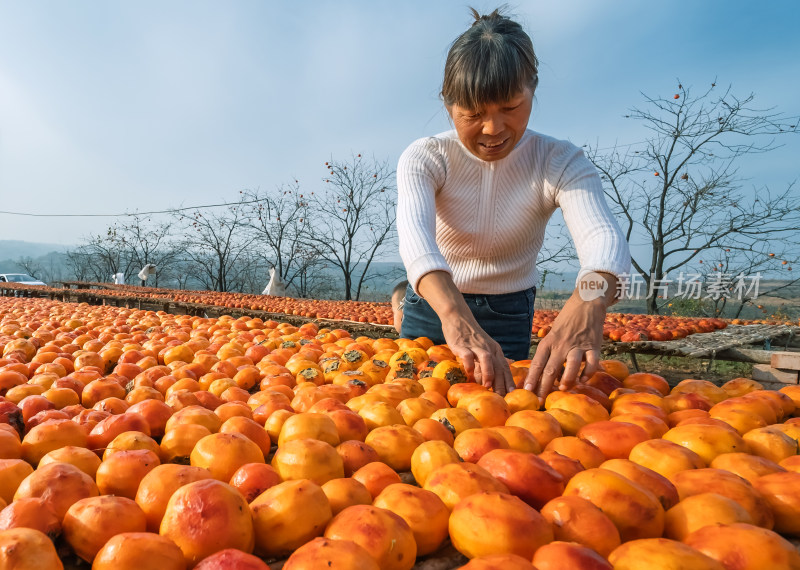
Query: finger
(478, 374)
(572, 369)
(503, 381)
(592, 364)
(486, 368)
(537, 367)
(551, 373)
(468, 362)
(509, 379)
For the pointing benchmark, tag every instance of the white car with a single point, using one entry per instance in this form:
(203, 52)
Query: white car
(21, 278)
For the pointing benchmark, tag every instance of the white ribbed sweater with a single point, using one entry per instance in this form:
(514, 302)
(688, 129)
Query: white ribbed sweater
(484, 222)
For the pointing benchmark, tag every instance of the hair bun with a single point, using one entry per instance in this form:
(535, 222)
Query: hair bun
(494, 15)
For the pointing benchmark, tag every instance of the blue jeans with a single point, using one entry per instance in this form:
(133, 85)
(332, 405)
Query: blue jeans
(507, 318)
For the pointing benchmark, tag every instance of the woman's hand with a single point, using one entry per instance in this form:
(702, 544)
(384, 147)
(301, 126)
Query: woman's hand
(575, 337)
(480, 355)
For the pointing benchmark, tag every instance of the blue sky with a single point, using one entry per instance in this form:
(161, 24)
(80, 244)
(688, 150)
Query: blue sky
(123, 106)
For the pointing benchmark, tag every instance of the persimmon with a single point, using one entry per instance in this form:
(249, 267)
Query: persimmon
(205, 517)
(541, 425)
(665, 457)
(647, 379)
(647, 553)
(131, 440)
(321, 552)
(355, 454)
(497, 523)
(178, 443)
(60, 485)
(156, 413)
(770, 443)
(456, 420)
(345, 492)
(575, 519)
(376, 476)
(472, 444)
(488, 408)
(455, 481)
(615, 368)
(195, 415)
(139, 551)
(557, 554)
(49, 436)
(708, 441)
(460, 390)
(614, 439)
(308, 459)
(309, 425)
(782, 494)
(107, 429)
(498, 562)
(697, 481)
(395, 445)
(382, 533)
(274, 507)
(522, 400)
(12, 473)
(252, 479)
(91, 522)
(697, 511)
(31, 512)
(526, 475)
(425, 513)
(657, 484)
(28, 549)
(745, 465)
(634, 510)
(250, 429)
(158, 485)
(274, 423)
(751, 546)
(433, 430)
(121, 472)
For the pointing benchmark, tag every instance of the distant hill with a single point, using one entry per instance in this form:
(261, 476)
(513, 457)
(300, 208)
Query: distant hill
(12, 249)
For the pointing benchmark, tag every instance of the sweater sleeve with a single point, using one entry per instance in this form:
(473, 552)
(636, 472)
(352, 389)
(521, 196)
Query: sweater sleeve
(578, 191)
(420, 172)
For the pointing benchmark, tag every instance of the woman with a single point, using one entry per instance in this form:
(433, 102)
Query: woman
(473, 204)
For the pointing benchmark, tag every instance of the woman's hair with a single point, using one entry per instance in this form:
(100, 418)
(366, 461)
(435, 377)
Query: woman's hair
(491, 62)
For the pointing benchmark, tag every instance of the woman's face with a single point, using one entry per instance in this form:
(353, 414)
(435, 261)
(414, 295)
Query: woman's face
(492, 132)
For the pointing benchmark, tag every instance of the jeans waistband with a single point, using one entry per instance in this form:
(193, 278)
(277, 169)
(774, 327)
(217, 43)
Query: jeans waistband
(473, 295)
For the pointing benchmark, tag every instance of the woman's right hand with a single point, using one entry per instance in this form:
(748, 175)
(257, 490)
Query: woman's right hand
(481, 356)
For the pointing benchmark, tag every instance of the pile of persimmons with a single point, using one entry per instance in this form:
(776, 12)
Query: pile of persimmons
(138, 440)
(618, 327)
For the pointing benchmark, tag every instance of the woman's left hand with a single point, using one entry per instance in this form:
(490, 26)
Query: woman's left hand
(575, 337)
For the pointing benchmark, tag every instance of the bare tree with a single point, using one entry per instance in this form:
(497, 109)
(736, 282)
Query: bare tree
(99, 257)
(79, 263)
(32, 267)
(353, 219)
(738, 278)
(280, 224)
(681, 192)
(143, 241)
(216, 245)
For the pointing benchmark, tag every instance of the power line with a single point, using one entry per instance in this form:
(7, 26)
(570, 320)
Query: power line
(127, 214)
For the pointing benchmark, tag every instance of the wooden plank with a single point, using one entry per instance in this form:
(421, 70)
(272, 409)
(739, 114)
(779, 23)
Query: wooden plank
(765, 373)
(745, 355)
(786, 360)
